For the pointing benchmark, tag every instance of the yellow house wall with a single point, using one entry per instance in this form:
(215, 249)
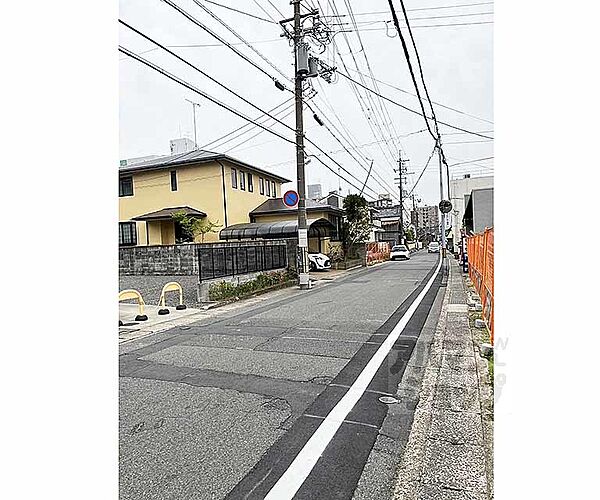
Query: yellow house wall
(199, 187)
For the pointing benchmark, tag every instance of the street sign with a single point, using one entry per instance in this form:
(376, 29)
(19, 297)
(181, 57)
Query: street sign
(290, 198)
(445, 206)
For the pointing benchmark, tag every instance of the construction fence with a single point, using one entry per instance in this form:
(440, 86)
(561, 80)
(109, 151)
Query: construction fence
(480, 251)
(377, 252)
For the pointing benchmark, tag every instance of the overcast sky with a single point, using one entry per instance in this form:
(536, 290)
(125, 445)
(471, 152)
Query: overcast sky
(457, 65)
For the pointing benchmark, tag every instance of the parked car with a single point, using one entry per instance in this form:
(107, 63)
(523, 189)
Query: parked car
(434, 247)
(318, 262)
(399, 252)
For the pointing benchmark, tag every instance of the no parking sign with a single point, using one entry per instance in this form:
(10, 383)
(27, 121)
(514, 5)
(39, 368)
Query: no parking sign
(290, 198)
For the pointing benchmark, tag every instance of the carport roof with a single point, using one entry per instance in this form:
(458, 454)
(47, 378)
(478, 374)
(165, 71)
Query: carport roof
(279, 229)
(167, 213)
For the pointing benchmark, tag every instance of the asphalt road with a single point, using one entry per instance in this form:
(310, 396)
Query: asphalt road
(220, 408)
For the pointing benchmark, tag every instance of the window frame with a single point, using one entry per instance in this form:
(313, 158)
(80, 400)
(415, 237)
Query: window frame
(242, 180)
(261, 185)
(133, 234)
(273, 189)
(234, 178)
(173, 178)
(250, 182)
(122, 194)
(268, 191)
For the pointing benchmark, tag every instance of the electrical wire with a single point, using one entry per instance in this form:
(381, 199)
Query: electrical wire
(412, 110)
(423, 171)
(237, 35)
(196, 90)
(235, 112)
(218, 37)
(241, 12)
(434, 102)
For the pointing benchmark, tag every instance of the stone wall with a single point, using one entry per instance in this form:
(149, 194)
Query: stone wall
(162, 260)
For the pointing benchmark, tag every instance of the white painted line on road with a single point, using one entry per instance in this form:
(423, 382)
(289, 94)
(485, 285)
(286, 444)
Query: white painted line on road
(295, 475)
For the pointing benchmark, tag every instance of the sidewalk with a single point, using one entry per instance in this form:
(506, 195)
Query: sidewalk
(449, 451)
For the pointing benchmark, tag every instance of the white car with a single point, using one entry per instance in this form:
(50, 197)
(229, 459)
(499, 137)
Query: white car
(399, 252)
(318, 262)
(434, 247)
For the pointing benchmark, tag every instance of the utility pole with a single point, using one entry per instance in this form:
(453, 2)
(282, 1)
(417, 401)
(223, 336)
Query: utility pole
(303, 270)
(400, 183)
(443, 215)
(305, 66)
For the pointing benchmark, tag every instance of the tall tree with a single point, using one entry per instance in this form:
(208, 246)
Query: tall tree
(357, 226)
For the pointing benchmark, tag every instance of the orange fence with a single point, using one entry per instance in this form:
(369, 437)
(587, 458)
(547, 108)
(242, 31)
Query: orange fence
(377, 252)
(480, 251)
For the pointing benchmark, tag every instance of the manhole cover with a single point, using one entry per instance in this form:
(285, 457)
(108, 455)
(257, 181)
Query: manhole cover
(388, 400)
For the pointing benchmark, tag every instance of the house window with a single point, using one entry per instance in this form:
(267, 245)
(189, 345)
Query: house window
(261, 185)
(125, 186)
(127, 234)
(234, 178)
(173, 180)
(273, 192)
(268, 187)
(242, 181)
(250, 183)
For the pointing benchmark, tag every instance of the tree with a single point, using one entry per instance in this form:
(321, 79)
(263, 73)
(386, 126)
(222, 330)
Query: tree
(409, 234)
(192, 227)
(357, 226)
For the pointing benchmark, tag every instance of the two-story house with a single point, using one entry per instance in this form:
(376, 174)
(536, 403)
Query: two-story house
(199, 183)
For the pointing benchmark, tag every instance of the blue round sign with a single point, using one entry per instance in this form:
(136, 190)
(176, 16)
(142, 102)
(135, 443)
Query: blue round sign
(290, 198)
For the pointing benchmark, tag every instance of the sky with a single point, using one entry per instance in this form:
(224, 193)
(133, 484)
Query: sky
(457, 64)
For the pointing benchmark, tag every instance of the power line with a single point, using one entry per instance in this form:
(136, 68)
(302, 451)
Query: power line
(429, 26)
(237, 35)
(434, 102)
(428, 8)
(219, 38)
(241, 12)
(472, 161)
(197, 91)
(423, 171)
(470, 14)
(195, 21)
(412, 110)
(235, 112)
(203, 73)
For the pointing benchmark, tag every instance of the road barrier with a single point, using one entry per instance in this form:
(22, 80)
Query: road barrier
(172, 286)
(377, 252)
(480, 251)
(134, 294)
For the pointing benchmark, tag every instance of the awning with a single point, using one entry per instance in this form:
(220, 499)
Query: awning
(280, 229)
(167, 213)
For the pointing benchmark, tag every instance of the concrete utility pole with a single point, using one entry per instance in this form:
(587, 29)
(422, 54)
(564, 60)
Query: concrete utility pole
(400, 223)
(303, 269)
(443, 215)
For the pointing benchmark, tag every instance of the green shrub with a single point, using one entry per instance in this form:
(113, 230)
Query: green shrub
(225, 290)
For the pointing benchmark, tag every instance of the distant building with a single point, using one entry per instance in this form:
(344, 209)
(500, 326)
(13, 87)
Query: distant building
(426, 221)
(479, 212)
(182, 145)
(333, 199)
(384, 201)
(460, 191)
(315, 191)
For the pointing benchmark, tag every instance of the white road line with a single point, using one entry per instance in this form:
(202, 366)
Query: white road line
(295, 475)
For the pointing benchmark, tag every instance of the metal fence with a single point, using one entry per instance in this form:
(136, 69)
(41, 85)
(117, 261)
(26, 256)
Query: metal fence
(231, 259)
